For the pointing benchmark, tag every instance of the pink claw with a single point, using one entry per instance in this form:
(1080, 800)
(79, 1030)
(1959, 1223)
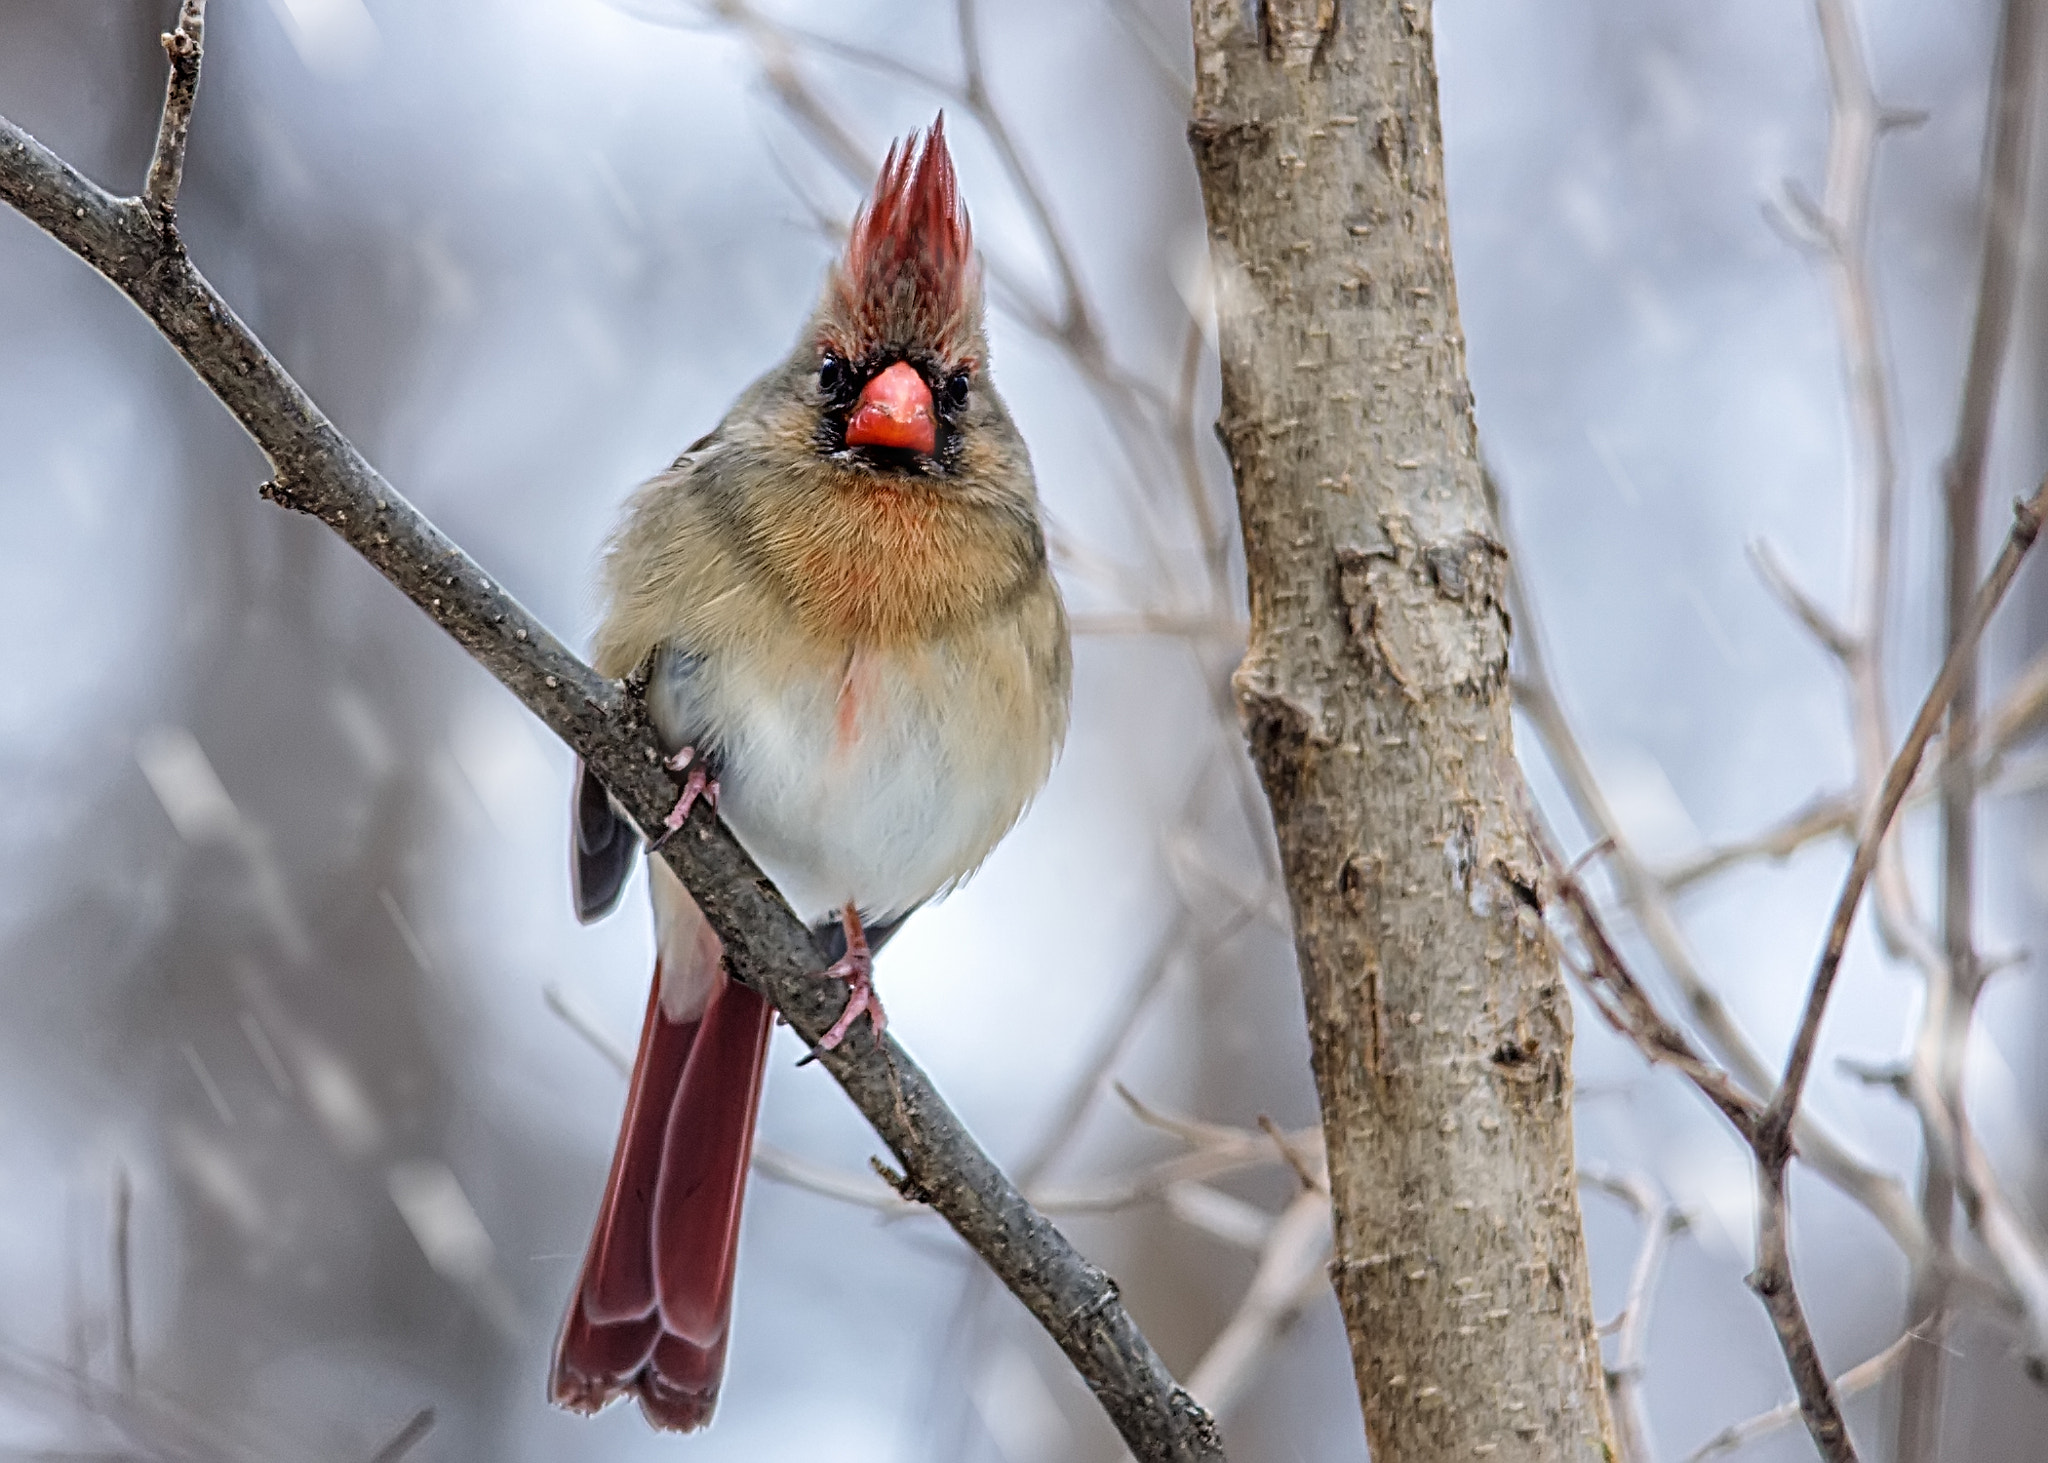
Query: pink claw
(699, 784)
(856, 968)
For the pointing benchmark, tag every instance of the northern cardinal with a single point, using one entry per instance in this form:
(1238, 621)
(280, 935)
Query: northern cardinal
(860, 657)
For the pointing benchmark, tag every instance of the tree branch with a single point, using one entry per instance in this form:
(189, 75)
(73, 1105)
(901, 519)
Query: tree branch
(1649, 899)
(319, 472)
(182, 45)
(1952, 1000)
(1661, 1221)
(1769, 1132)
(1898, 778)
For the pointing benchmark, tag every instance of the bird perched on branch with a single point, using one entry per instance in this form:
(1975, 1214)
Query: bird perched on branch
(857, 654)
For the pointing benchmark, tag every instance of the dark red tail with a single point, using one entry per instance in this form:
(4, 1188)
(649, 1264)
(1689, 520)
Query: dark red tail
(650, 1312)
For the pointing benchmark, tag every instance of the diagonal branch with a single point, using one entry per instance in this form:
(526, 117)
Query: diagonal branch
(1898, 779)
(1621, 999)
(318, 471)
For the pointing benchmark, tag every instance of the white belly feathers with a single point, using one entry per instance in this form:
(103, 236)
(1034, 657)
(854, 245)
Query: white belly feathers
(881, 782)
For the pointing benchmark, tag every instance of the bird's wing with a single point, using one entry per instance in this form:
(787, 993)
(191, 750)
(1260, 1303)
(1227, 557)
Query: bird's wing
(602, 843)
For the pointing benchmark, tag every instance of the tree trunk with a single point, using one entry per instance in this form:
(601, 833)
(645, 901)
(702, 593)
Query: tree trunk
(1375, 697)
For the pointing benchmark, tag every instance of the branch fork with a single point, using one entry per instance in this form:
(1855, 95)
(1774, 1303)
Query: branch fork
(1768, 1127)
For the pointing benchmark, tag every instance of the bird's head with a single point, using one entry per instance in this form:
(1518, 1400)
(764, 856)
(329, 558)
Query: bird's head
(897, 345)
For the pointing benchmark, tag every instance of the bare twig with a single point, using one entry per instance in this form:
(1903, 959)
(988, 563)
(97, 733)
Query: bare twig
(1650, 902)
(318, 471)
(1856, 124)
(407, 1438)
(1621, 999)
(1290, 1276)
(1951, 1000)
(182, 45)
(1858, 1378)
(1661, 1221)
(1772, 1278)
(2026, 525)
(1827, 814)
(2017, 716)
(580, 1021)
(1778, 579)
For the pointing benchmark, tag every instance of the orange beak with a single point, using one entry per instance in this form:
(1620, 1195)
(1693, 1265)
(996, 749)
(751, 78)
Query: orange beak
(895, 410)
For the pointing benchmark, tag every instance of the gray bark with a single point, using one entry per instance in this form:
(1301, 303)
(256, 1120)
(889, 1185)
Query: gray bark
(1375, 697)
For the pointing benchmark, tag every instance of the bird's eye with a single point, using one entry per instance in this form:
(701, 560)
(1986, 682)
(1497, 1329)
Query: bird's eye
(956, 389)
(831, 375)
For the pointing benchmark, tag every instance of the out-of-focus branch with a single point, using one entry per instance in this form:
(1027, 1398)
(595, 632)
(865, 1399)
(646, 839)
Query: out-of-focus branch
(1770, 1134)
(1649, 901)
(1830, 813)
(121, 1231)
(1898, 778)
(1952, 999)
(1772, 1278)
(1292, 1272)
(1840, 232)
(318, 471)
(1829, 631)
(407, 1437)
(1660, 1222)
(1858, 1378)
(2018, 715)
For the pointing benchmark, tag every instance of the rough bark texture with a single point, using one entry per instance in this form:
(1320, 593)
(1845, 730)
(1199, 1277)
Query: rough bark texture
(1375, 697)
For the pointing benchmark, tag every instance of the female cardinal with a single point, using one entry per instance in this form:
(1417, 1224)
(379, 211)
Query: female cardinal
(861, 659)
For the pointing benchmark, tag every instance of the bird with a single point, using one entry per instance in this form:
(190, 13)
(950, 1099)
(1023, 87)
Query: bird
(855, 651)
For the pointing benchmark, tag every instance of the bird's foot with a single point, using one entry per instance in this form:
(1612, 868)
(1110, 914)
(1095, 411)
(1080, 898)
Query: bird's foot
(857, 968)
(699, 784)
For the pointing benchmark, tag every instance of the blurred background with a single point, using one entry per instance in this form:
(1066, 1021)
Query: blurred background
(307, 1074)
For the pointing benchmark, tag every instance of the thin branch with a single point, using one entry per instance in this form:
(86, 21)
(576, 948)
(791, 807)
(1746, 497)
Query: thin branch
(1779, 581)
(1772, 1277)
(407, 1438)
(1661, 1221)
(2018, 715)
(1650, 902)
(1627, 1007)
(2011, 1238)
(318, 471)
(1858, 1378)
(1109, 1053)
(1946, 1013)
(1292, 1272)
(182, 44)
(1857, 122)
(1827, 814)
(2026, 525)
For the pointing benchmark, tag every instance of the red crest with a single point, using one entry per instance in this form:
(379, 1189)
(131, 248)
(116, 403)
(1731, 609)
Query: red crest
(910, 280)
